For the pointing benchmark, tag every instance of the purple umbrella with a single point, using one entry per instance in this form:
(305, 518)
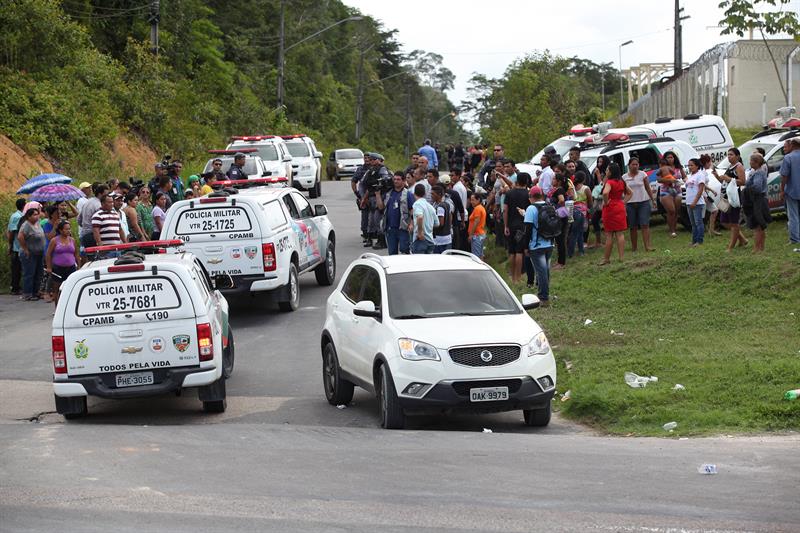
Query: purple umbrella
(42, 180)
(58, 192)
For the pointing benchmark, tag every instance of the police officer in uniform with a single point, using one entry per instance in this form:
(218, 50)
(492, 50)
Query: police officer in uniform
(355, 184)
(372, 201)
(236, 172)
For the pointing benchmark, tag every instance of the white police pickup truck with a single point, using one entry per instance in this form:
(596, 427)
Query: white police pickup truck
(264, 238)
(140, 325)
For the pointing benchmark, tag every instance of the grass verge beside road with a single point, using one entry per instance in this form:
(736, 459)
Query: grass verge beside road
(725, 326)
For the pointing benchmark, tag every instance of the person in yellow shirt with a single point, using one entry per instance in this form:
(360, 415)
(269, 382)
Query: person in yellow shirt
(476, 229)
(208, 186)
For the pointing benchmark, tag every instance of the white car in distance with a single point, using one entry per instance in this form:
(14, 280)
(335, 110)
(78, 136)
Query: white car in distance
(435, 333)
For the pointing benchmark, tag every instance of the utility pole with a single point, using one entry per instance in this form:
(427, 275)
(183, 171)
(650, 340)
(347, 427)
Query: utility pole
(360, 95)
(281, 55)
(603, 91)
(153, 19)
(408, 120)
(678, 30)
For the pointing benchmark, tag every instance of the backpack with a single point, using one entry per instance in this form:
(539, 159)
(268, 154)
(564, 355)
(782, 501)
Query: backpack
(548, 225)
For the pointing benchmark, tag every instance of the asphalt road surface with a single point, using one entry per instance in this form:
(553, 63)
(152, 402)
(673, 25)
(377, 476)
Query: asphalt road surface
(282, 459)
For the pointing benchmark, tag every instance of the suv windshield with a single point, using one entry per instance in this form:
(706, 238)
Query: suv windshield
(453, 293)
(298, 149)
(349, 154)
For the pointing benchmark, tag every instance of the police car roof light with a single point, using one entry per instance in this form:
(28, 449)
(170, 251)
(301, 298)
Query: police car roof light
(251, 137)
(141, 246)
(214, 200)
(294, 136)
(254, 182)
(580, 129)
(232, 152)
(127, 268)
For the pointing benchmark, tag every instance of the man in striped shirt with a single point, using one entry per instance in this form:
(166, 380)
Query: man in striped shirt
(105, 224)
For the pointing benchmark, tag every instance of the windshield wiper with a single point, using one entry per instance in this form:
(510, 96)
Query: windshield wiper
(401, 317)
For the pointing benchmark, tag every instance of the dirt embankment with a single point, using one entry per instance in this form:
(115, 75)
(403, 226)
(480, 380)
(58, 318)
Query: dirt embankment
(133, 156)
(16, 166)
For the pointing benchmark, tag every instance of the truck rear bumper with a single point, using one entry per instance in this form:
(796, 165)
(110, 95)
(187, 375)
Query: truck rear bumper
(167, 380)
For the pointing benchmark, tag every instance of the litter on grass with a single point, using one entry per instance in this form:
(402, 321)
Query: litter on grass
(636, 382)
(618, 333)
(486, 430)
(670, 426)
(587, 322)
(566, 396)
(568, 364)
(707, 469)
(678, 386)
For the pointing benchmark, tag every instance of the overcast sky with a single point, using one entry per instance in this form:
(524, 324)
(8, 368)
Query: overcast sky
(485, 37)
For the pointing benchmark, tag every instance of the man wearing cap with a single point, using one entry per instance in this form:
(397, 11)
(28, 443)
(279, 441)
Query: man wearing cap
(372, 201)
(355, 184)
(236, 172)
(86, 188)
(430, 154)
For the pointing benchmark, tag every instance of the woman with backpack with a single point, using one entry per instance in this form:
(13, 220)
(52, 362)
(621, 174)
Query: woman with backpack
(615, 194)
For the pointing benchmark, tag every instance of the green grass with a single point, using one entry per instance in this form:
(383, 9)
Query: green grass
(726, 326)
(742, 135)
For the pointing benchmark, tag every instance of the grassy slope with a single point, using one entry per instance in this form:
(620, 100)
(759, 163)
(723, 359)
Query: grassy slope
(720, 324)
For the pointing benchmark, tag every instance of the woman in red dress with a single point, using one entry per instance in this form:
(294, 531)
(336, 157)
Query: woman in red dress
(615, 193)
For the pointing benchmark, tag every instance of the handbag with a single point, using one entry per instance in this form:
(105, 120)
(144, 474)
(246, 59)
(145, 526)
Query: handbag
(732, 190)
(723, 205)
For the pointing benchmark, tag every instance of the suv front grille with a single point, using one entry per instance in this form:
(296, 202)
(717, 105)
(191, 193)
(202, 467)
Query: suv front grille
(471, 355)
(462, 387)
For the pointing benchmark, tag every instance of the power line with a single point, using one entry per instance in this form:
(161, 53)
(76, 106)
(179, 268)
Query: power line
(74, 4)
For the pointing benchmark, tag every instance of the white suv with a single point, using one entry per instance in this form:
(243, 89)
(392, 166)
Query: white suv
(306, 164)
(435, 333)
(272, 150)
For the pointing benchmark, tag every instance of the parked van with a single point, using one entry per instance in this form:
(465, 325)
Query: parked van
(264, 238)
(707, 134)
(271, 149)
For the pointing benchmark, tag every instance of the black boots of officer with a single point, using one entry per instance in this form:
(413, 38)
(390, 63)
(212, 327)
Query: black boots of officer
(380, 242)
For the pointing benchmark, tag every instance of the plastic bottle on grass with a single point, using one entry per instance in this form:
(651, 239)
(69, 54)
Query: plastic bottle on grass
(792, 394)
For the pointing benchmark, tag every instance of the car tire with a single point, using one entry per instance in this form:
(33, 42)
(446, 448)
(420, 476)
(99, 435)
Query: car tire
(392, 415)
(537, 417)
(337, 177)
(338, 391)
(228, 355)
(294, 291)
(215, 406)
(71, 407)
(316, 190)
(326, 272)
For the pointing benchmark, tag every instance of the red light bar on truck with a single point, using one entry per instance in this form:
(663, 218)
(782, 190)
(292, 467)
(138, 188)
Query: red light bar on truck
(580, 129)
(137, 246)
(232, 152)
(251, 182)
(295, 136)
(615, 137)
(251, 137)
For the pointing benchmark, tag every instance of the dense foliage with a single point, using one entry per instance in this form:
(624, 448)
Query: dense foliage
(538, 98)
(73, 73)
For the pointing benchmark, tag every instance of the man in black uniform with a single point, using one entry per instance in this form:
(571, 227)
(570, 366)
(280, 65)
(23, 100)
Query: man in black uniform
(372, 201)
(354, 184)
(236, 172)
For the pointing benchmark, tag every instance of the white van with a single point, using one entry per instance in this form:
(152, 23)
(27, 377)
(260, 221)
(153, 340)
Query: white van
(263, 238)
(707, 134)
(140, 325)
(271, 149)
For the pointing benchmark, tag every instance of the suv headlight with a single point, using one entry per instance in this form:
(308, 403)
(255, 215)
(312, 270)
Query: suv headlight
(339, 165)
(417, 351)
(539, 345)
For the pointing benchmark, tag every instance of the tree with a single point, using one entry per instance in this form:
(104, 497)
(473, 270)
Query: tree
(741, 16)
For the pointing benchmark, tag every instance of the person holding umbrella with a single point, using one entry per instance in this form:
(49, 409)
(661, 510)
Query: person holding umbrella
(31, 242)
(61, 257)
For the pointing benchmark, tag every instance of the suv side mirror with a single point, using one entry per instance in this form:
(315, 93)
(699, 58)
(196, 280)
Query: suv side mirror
(530, 301)
(320, 210)
(223, 281)
(287, 158)
(318, 154)
(265, 173)
(366, 308)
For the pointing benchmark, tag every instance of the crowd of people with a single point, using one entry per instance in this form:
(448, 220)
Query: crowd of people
(42, 249)
(564, 210)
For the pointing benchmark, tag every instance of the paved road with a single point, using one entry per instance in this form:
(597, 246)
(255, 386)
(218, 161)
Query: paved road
(282, 459)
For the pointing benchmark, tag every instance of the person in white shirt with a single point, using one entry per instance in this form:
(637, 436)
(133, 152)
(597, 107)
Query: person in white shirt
(86, 188)
(545, 180)
(639, 206)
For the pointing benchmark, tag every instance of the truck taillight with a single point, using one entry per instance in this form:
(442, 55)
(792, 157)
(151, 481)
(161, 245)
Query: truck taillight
(270, 261)
(59, 355)
(205, 343)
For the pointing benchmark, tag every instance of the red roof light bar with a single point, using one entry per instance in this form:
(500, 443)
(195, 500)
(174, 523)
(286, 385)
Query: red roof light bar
(134, 246)
(232, 152)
